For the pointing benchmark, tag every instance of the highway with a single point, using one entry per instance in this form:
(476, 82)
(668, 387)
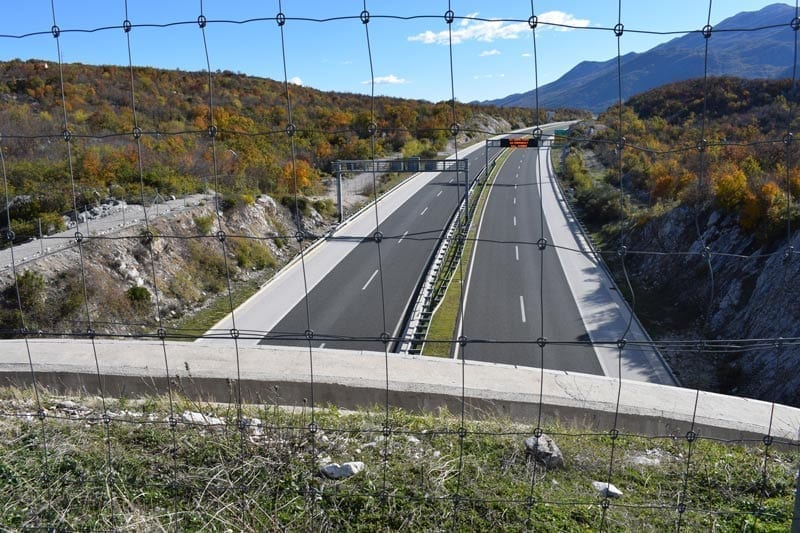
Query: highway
(515, 292)
(346, 308)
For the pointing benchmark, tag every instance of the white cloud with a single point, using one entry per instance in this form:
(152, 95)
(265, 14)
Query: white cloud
(391, 79)
(296, 80)
(466, 21)
(526, 54)
(564, 19)
(491, 30)
(492, 52)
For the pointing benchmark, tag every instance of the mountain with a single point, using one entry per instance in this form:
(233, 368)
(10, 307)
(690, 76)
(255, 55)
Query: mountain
(593, 85)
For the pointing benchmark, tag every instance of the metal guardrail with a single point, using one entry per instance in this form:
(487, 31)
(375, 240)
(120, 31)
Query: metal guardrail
(441, 268)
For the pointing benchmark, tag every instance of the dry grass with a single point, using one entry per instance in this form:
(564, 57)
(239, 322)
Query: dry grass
(70, 470)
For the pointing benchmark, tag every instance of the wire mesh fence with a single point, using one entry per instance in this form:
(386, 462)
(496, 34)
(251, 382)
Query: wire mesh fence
(229, 435)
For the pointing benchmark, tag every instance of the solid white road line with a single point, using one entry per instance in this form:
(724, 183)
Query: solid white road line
(370, 279)
(403, 237)
(522, 307)
(423, 211)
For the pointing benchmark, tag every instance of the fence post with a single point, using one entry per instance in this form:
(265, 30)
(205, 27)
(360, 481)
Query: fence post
(486, 148)
(339, 191)
(41, 242)
(796, 514)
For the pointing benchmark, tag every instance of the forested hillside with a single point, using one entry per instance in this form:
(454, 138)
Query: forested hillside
(707, 202)
(174, 115)
(741, 157)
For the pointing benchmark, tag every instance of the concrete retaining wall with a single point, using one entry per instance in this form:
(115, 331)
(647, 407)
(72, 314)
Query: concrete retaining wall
(354, 379)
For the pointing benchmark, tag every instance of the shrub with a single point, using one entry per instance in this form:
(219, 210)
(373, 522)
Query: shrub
(204, 223)
(325, 207)
(730, 187)
(208, 265)
(138, 295)
(183, 288)
(231, 201)
(32, 294)
(601, 204)
(299, 205)
(71, 298)
(575, 172)
(252, 254)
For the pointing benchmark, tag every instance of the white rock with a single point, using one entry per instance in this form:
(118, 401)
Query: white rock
(606, 489)
(412, 439)
(191, 417)
(343, 471)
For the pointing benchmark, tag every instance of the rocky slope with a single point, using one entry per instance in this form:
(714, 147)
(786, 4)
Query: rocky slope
(184, 259)
(727, 285)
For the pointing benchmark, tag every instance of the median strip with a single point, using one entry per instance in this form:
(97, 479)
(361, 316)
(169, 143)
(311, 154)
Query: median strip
(442, 328)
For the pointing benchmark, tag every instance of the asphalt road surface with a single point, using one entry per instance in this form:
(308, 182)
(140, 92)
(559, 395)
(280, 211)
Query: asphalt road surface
(367, 294)
(517, 293)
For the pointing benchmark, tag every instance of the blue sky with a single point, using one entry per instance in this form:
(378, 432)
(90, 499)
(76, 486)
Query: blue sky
(492, 58)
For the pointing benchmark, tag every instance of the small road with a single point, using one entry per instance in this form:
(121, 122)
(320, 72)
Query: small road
(117, 218)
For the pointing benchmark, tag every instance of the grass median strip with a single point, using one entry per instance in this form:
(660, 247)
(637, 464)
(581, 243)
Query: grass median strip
(442, 329)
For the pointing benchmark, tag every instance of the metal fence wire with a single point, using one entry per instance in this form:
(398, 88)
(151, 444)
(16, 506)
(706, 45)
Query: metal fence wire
(244, 457)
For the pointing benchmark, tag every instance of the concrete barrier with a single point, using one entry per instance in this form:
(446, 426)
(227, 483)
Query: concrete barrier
(281, 375)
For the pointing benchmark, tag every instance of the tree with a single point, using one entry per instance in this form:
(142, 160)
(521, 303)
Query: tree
(730, 186)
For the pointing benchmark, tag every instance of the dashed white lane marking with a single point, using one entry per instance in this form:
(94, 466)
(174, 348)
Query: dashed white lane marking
(515, 220)
(438, 194)
(403, 237)
(370, 279)
(522, 308)
(423, 211)
(516, 252)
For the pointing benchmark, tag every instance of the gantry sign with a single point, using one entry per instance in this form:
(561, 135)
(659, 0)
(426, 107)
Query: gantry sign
(531, 141)
(411, 164)
(513, 142)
